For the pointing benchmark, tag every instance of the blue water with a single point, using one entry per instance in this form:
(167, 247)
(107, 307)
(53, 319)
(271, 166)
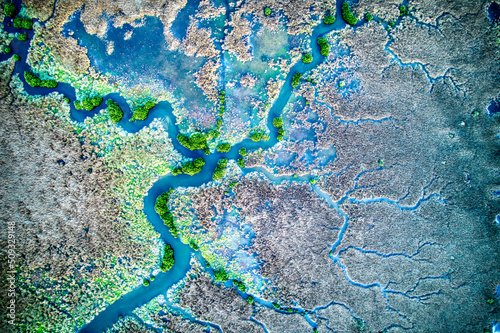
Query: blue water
(137, 59)
(494, 12)
(494, 107)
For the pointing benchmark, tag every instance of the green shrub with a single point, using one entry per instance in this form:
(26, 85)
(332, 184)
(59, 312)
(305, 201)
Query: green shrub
(223, 147)
(220, 170)
(16, 57)
(168, 260)
(250, 299)
(324, 47)
(34, 81)
(307, 58)
(259, 135)
(368, 17)
(22, 37)
(145, 282)
(23, 23)
(193, 167)
(152, 278)
(67, 100)
(296, 79)
(267, 11)
(241, 163)
(10, 10)
(391, 23)
(193, 245)
(161, 207)
(213, 134)
(329, 19)
(243, 151)
(141, 112)
(220, 275)
(276, 305)
(403, 11)
(194, 142)
(88, 103)
(313, 181)
(278, 122)
(115, 112)
(240, 285)
(347, 15)
(7, 50)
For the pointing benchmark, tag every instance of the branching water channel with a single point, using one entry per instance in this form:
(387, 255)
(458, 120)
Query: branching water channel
(141, 295)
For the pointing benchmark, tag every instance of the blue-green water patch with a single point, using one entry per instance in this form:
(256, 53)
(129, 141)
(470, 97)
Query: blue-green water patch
(143, 58)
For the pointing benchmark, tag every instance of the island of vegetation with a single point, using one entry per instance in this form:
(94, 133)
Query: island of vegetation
(168, 260)
(114, 110)
(161, 207)
(193, 142)
(88, 103)
(141, 112)
(34, 81)
(347, 15)
(190, 168)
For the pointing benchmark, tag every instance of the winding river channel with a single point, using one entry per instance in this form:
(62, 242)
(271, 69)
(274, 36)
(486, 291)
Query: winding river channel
(141, 295)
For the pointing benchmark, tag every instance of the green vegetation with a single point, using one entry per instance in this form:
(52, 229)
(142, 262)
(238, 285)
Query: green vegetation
(35, 81)
(341, 84)
(220, 170)
(152, 278)
(391, 23)
(115, 112)
(67, 100)
(222, 108)
(10, 10)
(193, 245)
(324, 48)
(278, 122)
(243, 151)
(250, 299)
(141, 112)
(220, 275)
(276, 305)
(368, 17)
(296, 79)
(267, 11)
(360, 323)
(313, 181)
(22, 37)
(145, 282)
(16, 57)
(307, 58)
(168, 258)
(281, 133)
(88, 103)
(223, 147)
(240, 285)
(161, 207)
(380, 162)
(241, 162)
(347, 15)
(23, 23)
(329, 19)
(403, 11)
(190, 168)
(259, 135)
(194, 142)
(490, 301)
